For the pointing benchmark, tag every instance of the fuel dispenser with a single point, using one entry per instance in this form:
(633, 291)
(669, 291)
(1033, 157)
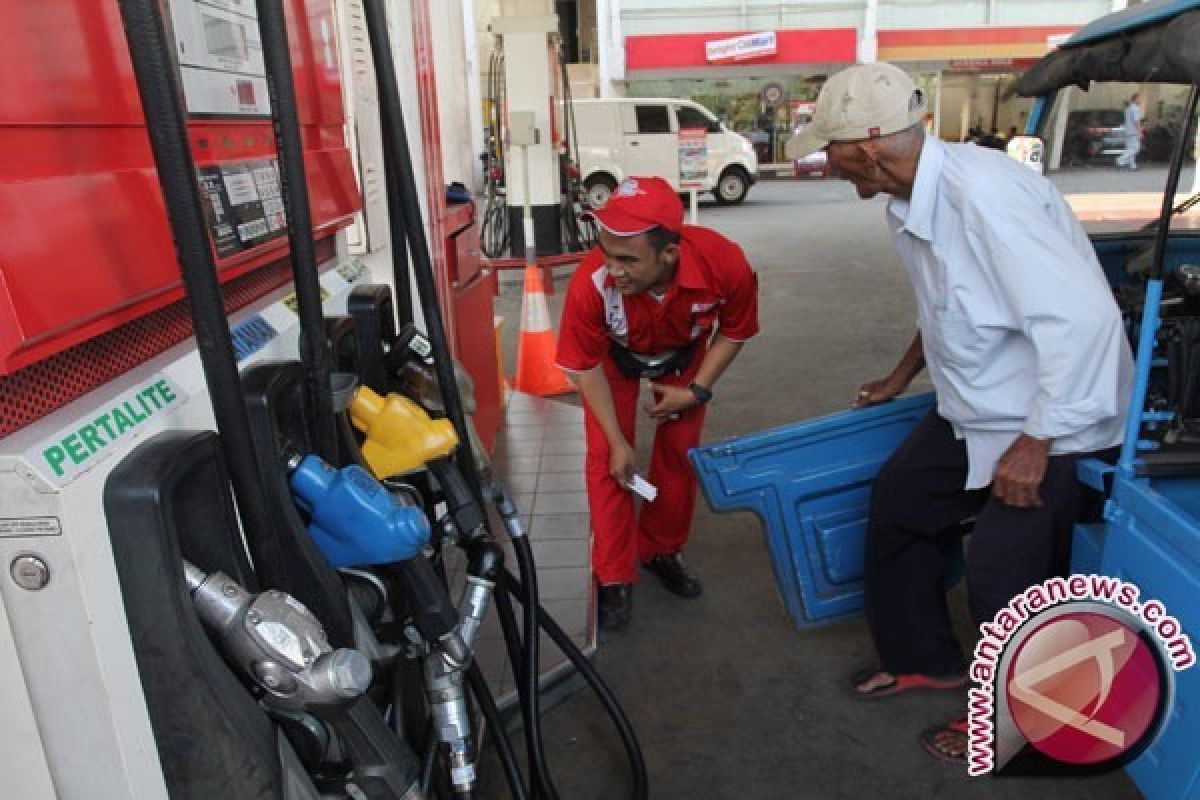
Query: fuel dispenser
(531, 166)
(185, 612)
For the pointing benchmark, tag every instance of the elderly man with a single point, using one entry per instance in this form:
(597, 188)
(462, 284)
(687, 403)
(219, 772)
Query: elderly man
(1027, 355)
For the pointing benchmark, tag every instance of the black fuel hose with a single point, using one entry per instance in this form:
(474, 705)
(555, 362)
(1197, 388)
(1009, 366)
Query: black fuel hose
(154, 72)
(470, 518)
(397, 234)
(491, 715)
(396, 141)
(313, 343)
(396, 145)
(405, 198)
(531, 672)
(607, 699)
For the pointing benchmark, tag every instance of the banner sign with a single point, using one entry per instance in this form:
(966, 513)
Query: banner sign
(741, 48)
(693, 158)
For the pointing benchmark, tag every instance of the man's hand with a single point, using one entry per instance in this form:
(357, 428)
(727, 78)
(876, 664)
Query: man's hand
(1020, 471)
(621, 462)
(880, 391)
(671, 400)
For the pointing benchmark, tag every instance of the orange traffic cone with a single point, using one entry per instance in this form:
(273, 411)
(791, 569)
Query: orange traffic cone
(536, 371)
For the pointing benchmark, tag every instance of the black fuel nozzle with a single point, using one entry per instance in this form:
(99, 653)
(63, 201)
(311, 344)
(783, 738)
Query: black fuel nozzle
(485, 559)
(507, 509)
(432, 611)
(460, 500)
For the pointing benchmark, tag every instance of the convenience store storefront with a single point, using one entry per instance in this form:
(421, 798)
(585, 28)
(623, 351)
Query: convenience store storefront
(970, 74)
(761, 84)
(755, 82)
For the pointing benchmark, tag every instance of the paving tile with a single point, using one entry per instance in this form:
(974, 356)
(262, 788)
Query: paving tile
(521, 447)
(560, 503)
(560, 526)
(570, 432)
(562, 482)
(522, 482)
(571, 614)
(553, 553)
(523, 500)
(536, 418)
(563, 583)
(564, 412)
(515, 465)
(562, 463)
(519, 401)
(557, 447)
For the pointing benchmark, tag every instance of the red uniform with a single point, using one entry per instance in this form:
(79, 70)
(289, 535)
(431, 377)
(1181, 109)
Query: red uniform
(714, 289)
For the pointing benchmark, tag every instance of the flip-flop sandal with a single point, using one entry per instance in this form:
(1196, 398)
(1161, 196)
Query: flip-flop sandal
(929, 740)
(903, 683)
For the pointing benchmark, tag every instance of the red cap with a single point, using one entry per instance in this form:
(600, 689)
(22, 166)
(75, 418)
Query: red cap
(638, 205)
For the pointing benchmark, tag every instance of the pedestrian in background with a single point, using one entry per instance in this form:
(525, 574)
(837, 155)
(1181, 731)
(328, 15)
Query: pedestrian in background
(1133, 134)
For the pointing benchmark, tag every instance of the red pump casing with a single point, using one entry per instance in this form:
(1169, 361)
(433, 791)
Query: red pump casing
(86, 246)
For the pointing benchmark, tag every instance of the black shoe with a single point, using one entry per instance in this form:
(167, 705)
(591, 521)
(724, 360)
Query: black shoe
(615, 605)
(674, 575)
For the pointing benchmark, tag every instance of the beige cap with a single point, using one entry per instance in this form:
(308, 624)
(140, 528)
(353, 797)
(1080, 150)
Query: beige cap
(865, 101)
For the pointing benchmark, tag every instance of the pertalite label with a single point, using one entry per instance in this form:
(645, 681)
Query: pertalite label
(74, 449)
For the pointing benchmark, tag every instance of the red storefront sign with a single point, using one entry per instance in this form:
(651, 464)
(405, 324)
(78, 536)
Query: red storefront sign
(690, 50)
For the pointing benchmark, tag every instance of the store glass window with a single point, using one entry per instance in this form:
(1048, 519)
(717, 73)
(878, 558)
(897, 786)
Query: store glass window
(740, 103)
(653, 119)
(1110, 161)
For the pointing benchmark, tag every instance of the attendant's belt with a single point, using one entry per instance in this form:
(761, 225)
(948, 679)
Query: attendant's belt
(651, 365)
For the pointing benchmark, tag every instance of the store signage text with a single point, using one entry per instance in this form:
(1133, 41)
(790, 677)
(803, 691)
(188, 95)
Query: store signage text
(741, 48)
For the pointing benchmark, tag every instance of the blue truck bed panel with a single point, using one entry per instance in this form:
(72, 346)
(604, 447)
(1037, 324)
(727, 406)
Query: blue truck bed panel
(810, 484)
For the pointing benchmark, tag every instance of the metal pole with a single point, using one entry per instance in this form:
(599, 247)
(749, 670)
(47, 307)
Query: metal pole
(694, 202)
(527, 210)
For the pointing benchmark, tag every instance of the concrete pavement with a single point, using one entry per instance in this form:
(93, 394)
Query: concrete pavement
(728, 698)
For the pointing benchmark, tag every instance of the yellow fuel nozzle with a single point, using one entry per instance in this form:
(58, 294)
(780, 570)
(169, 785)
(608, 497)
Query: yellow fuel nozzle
(400, 435)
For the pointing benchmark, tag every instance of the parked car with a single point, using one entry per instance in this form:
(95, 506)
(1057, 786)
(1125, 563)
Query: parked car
(1093, 135)
(619, 137)
(814, 164)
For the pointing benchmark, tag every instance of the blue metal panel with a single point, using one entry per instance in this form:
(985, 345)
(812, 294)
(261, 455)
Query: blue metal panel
(1087, 548)
(1153, 541)
(810, 485)
(1129, 20)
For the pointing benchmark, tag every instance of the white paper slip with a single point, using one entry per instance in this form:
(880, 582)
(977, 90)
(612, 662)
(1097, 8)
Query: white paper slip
(642, 487)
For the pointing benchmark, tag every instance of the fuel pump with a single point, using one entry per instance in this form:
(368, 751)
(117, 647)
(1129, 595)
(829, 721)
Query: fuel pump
(533, 152)
(147, 677)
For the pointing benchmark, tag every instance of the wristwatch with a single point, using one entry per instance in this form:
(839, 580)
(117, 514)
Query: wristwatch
(702, 394)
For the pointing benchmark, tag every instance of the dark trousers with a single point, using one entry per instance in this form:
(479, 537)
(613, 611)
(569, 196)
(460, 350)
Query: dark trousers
(918, 506)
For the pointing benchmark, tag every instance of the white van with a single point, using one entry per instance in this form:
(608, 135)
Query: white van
(618, 137)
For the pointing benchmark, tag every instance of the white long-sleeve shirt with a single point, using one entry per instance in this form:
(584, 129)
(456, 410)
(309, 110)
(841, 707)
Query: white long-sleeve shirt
(1133, 121)
(1019, 326)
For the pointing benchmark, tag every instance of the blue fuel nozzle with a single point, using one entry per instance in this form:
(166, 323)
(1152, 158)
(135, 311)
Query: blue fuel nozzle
(354, 520)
